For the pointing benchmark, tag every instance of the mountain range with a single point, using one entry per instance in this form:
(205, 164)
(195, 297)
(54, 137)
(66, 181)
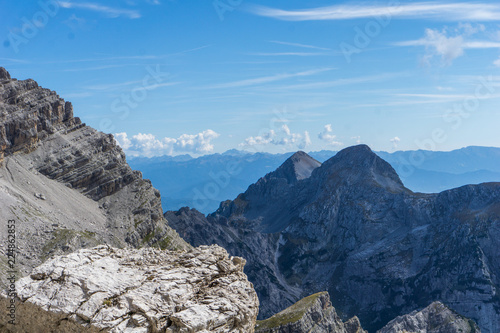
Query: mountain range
(204, 182)
(92, 250)
(349, 226)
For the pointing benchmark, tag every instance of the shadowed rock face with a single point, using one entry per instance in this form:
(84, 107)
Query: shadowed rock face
(353, 229)
(146, 290)
(69, 182)
(436, 318)
(313, 314)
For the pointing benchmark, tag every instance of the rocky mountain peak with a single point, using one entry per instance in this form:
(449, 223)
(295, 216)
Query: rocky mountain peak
(69, 182)
(297, 167)
(359, 164)
(437, 317)
(4, 74)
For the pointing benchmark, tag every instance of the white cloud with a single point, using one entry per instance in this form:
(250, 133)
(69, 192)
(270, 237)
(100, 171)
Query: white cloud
(283, 137)
(470, 29)
(328, 137)
(497, 62)
(395, 141)
(357, 138)
(419, 10)
(286, 129)
(307, 139)
(109, 11)
(123, 140)
(449, 44)
(259, 140)
(148, 145)
(438, 43)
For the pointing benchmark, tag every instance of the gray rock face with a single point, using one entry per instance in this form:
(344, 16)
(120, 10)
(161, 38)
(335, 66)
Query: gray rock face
(436, 318)
(66, 185)
(313, 314)
(353, 229)
(299, 166)
(146, 290)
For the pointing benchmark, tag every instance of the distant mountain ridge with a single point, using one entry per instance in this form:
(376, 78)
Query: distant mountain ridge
(353, 229)
(187, 181)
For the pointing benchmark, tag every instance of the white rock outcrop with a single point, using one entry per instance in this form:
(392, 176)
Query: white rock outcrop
(146, 290)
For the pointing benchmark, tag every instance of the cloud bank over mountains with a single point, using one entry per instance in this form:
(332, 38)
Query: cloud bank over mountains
(282, 137)
(148, 145)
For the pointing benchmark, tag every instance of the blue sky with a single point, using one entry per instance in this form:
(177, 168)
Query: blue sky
(173, 77)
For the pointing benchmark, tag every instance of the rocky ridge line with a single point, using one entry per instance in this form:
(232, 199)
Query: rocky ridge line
(313, 314)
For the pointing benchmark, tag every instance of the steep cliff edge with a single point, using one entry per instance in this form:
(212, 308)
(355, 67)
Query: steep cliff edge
(312, 314)
(67, 185)
(353, 229)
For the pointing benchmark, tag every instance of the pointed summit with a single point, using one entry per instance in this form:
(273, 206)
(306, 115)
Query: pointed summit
(359, 164)
(4, 75)
(297, 167)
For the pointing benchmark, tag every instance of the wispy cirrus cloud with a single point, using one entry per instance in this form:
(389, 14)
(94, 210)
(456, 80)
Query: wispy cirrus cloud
(106, 10)
(267, 79)
(300, 45)
(120, 85)
(337, 82)
(128, 57)
(299, 54)
(457, 11)
(15, 60)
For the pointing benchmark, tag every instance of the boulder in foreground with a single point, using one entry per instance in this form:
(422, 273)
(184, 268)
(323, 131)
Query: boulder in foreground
(146, 290)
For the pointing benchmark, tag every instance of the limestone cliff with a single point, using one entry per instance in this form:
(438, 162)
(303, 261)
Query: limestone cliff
(65, 184)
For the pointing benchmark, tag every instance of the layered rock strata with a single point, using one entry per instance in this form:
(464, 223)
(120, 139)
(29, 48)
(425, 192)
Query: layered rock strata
(66, 185)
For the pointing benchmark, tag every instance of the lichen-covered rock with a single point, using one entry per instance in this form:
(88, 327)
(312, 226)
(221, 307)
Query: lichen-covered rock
(313, 314)
(436, 318)
(146, 290)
